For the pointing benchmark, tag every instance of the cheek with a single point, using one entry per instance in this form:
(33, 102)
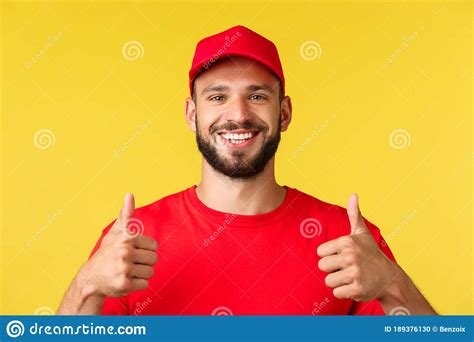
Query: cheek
(206, 118)
(271, 121)
(203, 125)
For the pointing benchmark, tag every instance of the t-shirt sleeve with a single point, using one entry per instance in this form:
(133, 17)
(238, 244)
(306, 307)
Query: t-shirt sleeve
(373, 307)
(112, 306)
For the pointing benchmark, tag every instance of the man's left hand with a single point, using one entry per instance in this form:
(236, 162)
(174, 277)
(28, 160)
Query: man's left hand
(357, 268)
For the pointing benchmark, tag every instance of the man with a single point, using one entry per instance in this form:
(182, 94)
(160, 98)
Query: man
(239, 243)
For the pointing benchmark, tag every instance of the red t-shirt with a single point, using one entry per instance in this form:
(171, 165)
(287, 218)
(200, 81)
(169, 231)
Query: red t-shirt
(211, 262)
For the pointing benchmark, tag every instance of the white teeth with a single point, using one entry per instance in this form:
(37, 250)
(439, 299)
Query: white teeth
(237, 136)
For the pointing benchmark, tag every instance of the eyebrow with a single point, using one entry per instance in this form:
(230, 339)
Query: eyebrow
(256, 87)
(217, 88)
(224, 88)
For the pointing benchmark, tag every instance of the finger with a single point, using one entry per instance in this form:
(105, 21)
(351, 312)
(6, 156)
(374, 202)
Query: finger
(344, 291)
(126, 212)
(329, 248)
(332, 263)
(355, 217)
(144, 256)
(338, 278)
(141, 271)
(138, 284)
(145, 242)
(128, 207)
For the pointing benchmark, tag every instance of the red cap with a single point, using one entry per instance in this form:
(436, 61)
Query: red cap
(236, 41)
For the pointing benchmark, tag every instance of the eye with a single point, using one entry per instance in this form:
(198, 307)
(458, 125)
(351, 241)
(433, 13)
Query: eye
(257, 97)
(216, 98)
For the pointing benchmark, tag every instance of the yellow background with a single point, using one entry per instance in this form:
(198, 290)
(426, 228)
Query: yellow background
(118, 126)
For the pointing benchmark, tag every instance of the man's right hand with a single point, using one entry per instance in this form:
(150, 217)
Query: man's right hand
(124, 261)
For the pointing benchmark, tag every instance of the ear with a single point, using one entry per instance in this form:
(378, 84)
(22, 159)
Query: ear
(190, 114)
(286, 110)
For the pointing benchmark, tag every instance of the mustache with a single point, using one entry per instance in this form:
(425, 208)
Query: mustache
(229, 126)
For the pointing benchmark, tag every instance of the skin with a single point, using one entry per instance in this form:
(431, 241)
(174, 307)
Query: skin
(238, 104)
(357, 269)
(249, 93)
(122, 264)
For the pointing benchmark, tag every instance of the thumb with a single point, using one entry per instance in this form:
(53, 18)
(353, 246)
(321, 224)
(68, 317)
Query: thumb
(126, 211)
(355, 217)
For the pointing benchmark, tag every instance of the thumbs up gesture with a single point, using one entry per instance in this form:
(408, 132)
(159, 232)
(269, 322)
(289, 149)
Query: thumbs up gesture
(357, 268)
(123, 263)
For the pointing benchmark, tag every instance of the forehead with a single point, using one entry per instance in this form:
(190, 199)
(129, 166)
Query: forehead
(236, 70)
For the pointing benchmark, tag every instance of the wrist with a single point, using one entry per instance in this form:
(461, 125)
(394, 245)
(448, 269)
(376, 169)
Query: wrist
(393, 292)
(401, 295)
(86, 285)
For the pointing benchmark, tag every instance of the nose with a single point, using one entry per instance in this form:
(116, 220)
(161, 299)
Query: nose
(237, 110)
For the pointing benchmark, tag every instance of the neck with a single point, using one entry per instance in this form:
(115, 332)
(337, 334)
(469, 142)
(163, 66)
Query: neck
(258, 195)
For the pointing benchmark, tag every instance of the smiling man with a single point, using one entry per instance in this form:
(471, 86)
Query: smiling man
(238, 242)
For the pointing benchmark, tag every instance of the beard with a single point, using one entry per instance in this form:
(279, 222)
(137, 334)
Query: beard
(239, 165)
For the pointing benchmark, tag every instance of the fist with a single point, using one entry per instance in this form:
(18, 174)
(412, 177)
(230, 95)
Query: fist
(124, 261)
(357, 268)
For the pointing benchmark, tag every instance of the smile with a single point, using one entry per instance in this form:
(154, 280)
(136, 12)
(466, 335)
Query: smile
(239, 139)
